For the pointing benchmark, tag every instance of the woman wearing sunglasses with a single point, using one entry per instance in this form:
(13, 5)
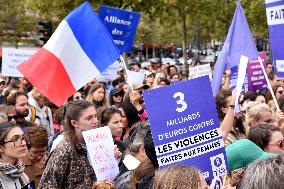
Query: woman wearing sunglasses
(268, 137)
(115, 97)
(12, 148)
(278, 91)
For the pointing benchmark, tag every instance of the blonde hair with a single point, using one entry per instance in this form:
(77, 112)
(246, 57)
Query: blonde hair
(253, 113)
(177, 177)
(103, 185)
(36, 94)
(95, 87)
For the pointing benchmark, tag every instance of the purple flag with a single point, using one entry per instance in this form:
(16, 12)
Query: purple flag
(239, 42)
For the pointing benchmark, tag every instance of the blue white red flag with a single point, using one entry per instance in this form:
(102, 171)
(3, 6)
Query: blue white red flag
(78, 51)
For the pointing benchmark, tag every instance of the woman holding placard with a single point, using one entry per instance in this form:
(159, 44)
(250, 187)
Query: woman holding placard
(68, 165)
(111, 116)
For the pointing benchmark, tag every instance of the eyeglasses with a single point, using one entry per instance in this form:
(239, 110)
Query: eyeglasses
(279, 144)
(17, 141)
(38, 154)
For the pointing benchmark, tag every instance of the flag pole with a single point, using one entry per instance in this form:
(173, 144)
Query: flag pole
(125, 68)
(268, 84)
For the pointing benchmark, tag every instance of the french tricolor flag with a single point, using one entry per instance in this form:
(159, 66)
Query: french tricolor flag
(78, 51)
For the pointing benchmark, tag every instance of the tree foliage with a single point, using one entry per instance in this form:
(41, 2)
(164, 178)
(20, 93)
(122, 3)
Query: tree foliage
(162, 21)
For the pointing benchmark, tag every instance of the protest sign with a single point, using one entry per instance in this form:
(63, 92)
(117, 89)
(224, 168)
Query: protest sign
(275, 21)
(185, 126)
(240, 81)
(256, 79)
(101, 152)
(198, 71)
(121, 25)
(135, 77)
(234, 79)
(12, 57)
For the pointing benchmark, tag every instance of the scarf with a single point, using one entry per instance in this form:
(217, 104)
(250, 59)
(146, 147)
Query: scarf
(13, 172)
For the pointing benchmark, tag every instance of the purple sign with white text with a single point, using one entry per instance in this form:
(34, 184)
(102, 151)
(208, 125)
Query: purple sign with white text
(275, 21)
(256, 79)
(185, 126)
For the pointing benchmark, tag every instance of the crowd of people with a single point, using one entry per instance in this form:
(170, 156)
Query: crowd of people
(42, 146)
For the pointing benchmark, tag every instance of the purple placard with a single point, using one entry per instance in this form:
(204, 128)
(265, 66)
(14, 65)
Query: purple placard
(256, 79)
(275, 21)
(185, 126)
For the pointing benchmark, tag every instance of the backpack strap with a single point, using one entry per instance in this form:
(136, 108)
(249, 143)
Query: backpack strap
(46, 114)
(34, 116)
(33, 112)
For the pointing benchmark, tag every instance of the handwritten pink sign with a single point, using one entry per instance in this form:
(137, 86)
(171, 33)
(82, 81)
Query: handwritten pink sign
(101, 152)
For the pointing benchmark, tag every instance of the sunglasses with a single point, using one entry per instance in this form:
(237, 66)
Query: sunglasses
(117, 94)
(10, 117)
(38, 154)
(79, 97)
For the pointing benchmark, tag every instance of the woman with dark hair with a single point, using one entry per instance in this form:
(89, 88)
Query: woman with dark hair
(97, 95)
(12, 148)
(124, 122)
(76, 96)
(232, 127)
(268, 137)
(115, 97)
(174, 78)
(222, 100)
(111, 116)
(68, 165)
(278, 91)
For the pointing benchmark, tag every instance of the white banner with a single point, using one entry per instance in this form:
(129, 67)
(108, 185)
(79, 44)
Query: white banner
(101, 153)
(12, 57)
(198, 71)
(275, 15)
(135, 77)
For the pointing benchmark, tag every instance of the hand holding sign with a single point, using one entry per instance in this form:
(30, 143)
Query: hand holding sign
(117, 154)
